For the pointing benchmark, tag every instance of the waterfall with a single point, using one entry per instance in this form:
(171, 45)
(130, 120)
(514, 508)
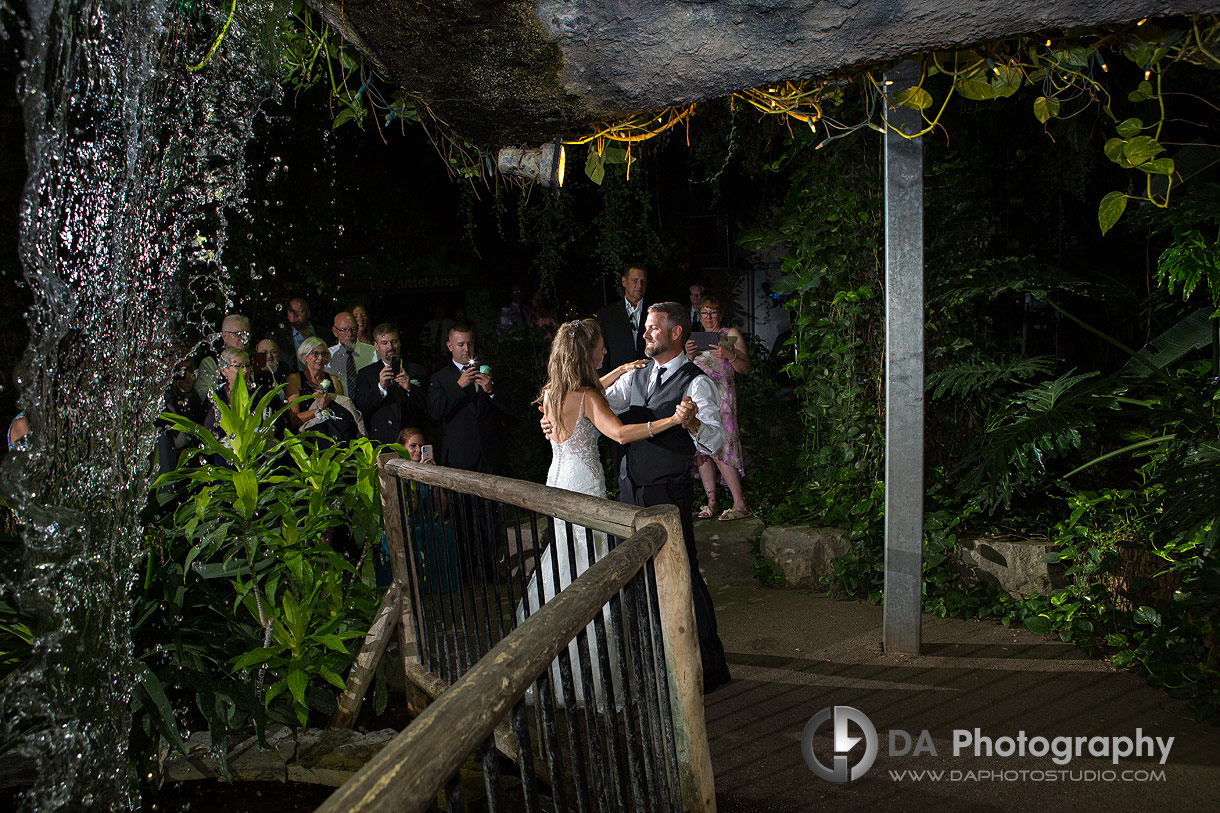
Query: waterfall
(133, 158)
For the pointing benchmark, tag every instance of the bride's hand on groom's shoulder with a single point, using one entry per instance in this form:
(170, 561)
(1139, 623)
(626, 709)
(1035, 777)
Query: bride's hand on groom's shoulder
(623, 369)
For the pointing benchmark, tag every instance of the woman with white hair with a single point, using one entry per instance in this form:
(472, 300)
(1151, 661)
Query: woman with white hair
(329, 411)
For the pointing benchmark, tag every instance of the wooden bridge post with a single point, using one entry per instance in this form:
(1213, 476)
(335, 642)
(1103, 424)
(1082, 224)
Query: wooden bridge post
(402, 566)
(682, 662)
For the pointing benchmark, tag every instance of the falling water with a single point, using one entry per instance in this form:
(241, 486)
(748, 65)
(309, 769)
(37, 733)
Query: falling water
(133, 158)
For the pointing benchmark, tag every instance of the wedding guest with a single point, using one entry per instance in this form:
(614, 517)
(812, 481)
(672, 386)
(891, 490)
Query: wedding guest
(723, 362)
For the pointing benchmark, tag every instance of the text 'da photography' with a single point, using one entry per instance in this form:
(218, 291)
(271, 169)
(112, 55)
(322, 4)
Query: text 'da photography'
(845, 751)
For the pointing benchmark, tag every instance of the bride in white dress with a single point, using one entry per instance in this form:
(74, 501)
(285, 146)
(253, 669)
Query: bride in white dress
(574, 403)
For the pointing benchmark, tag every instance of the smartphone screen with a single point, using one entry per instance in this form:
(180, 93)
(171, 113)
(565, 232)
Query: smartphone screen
(425, 452)
(395, 365)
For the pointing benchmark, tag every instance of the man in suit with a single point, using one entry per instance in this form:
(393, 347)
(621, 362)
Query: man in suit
(349, 356)
(471, 408)
(385, 396)
(622, 321)
(235, 333)
(297, 314)
(656, 470)
(696, 296)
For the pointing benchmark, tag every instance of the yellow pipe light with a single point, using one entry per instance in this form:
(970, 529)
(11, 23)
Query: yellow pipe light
(543, 165)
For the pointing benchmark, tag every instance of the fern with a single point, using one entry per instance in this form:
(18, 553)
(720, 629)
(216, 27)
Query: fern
(1036, 426)
(976, 376)
(1192, 494)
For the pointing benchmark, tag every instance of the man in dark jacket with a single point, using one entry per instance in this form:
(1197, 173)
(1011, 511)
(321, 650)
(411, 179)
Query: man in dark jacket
(462, 395)
(622, 321)
(384, 394)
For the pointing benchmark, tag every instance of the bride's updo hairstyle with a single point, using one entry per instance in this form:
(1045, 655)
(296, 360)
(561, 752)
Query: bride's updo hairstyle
(570, 366)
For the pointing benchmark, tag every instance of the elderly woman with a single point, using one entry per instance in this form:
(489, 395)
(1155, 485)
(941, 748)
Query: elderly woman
(329, 411)
(723, 363)
(230, 362)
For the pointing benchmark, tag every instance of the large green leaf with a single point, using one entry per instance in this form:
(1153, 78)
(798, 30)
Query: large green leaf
(1110, 210)
(1191, 333)
(1140, 149)
(1046, 108)
(1129, 128)
(1006, 82)
(595, 166)
(1113, 148)
(915, 98)
(1157, 166)
(245, 483)
(297, 681)
(151, 695)
(974, 87)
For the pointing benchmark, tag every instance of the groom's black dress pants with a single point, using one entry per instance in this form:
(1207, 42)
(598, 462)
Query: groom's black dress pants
(678, 492)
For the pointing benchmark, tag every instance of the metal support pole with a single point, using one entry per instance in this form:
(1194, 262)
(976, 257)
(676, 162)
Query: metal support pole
(904, 387)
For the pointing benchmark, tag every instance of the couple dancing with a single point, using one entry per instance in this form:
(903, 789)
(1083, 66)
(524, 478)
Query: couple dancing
(664, 410)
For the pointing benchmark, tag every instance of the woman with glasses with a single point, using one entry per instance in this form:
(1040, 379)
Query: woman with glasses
(232, 360)
(329, 410)
(723, 362)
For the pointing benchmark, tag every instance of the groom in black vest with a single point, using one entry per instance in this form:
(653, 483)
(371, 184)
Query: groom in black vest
(657, 470)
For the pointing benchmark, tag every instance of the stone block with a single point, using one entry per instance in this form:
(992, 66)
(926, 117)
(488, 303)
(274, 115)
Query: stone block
(1015, 565)
(330, 757)
(803, 553)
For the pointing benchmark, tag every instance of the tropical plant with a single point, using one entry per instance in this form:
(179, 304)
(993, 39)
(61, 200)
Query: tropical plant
(262, 575)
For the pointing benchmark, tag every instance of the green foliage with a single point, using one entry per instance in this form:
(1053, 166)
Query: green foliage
(975, 376)
(832, 274)
(250, 583)
(1190, 260)
(1134, 595)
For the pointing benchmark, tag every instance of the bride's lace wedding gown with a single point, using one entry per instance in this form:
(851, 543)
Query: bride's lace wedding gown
(575, 466)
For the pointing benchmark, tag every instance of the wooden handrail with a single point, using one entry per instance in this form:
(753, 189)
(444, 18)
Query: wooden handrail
(413, 767)
(617, 519)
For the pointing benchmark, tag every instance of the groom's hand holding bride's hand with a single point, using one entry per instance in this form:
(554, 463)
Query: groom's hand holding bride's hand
(686, 413)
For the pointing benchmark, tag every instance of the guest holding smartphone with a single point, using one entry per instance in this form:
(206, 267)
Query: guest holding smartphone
(431, 537)
(385, 395)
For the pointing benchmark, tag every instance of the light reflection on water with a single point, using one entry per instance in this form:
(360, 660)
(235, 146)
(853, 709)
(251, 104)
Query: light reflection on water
(132, 160)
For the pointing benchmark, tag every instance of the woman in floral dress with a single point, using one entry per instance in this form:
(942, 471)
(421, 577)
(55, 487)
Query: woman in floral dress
(723, 362)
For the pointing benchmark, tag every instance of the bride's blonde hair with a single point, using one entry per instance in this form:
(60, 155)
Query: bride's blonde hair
(570, 366)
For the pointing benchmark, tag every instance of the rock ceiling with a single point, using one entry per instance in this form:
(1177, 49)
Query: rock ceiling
(511, 72)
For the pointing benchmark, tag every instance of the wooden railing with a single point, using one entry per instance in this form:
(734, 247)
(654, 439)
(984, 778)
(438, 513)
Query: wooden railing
(480, 707)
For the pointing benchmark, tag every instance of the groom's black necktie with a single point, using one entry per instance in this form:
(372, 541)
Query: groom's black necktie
(656, 385)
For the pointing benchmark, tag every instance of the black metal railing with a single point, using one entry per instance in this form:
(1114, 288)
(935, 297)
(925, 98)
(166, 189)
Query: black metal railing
(543, 623)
